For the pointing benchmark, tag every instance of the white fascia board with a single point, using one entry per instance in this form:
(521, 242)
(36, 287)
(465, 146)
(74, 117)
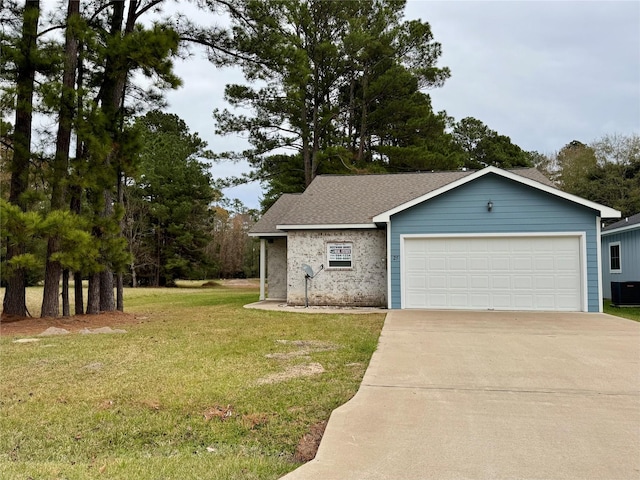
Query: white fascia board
(337, 226)
(621, 229)
(605, 212)
(258, 234)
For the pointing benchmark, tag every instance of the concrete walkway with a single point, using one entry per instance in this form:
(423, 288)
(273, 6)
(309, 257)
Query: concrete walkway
(281, 306)
(491, 395)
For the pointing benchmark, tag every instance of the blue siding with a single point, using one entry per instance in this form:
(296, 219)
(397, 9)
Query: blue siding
(516, 208)
(629, 257)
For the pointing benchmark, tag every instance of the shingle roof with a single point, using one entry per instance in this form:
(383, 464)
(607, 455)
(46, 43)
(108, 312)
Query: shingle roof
(625, 222)
(356, 199)
(273, 216)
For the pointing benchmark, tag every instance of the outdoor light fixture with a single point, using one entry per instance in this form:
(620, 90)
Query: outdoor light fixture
(489, 206)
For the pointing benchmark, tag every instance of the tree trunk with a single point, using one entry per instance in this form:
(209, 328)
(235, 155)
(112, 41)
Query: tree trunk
(111, 100)
(352, 114)
(14, 302)
(60, 166)
(75, 189)
(93, 296)
(120, 292)
(50, 300)
(119, 277)
(66, 309)
(15, 297)
(79, 293)
(134, 277)
(51, 294)
(363, 119)
(315, 125)
(107, 299)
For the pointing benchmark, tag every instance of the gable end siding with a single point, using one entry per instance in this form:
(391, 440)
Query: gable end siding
(630, 256)
(516, 209)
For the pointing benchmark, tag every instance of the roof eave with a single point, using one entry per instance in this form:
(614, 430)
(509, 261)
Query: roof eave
(332, 226)
(269, 234)
(626, 228)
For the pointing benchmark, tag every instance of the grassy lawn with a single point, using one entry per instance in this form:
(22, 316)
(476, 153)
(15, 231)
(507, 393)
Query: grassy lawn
(197, 388)
(632, 313)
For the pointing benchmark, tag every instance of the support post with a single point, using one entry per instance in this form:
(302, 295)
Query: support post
(263, 267)
(306, 296)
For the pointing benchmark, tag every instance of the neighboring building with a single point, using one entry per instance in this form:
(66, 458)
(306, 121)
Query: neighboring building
(621, 253)
(489, 239)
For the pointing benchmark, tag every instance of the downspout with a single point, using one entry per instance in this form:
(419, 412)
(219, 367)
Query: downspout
(599, 259)
(263, 267)
(389, 304)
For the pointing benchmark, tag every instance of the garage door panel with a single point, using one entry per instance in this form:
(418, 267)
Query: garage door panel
(437, 281)
(458, 264)
(543, 282)
(523, 302)
(481, 245)
(416, 298)
(458, 300)
(546, 244)
(544, 264)
(458, 282)
(567, 263)
(545, 302)
(416, 281)
(501, 301)
(480, 281)
(565, 302)
(519, 273)
(522, 282)
(522, 263)
(479, 263)
(500, 282)
(500, 264)
(438, 300)
(483, 301)
(437, 264)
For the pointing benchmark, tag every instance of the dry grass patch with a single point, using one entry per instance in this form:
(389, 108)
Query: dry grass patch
(135, 405)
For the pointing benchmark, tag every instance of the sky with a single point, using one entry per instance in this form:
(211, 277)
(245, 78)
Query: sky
(543, 73)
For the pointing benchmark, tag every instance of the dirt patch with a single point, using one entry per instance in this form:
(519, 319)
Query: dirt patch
(288, 356)
(309, 443)
(295, 371)
(19, 326)
(241, 282)
(311, 345)
(219, 412)
(254, 421)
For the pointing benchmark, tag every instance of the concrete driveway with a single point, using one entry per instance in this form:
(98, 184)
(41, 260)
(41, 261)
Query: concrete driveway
(491, 395)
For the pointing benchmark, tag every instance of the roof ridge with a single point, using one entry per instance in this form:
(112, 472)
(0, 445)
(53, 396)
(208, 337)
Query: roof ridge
(386, 174)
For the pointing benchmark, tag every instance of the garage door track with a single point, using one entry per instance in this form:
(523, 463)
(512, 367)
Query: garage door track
(491, 395)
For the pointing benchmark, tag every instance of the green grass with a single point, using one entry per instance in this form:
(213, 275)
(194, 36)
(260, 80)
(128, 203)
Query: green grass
(632, 313)
(132, 406)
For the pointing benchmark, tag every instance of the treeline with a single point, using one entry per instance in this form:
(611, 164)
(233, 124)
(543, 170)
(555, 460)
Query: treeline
(114, 191)
(339, 87)
(70, 190)
(606, 170)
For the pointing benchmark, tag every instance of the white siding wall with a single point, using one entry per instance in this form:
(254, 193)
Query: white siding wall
(365, 284)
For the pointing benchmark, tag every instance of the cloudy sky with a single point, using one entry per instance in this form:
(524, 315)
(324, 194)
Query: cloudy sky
(541, 72)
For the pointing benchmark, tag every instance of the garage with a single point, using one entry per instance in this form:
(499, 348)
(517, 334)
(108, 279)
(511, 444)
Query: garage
(501, 272)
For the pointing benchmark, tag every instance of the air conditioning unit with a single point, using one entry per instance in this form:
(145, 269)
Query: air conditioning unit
(625, 294)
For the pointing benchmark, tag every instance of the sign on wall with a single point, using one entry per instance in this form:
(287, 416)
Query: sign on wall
(339, 255)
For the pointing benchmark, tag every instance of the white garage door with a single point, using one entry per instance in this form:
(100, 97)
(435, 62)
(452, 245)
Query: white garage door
(501, 273)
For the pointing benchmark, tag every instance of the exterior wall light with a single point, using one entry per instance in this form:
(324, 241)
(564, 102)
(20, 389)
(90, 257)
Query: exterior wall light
(489, 206)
